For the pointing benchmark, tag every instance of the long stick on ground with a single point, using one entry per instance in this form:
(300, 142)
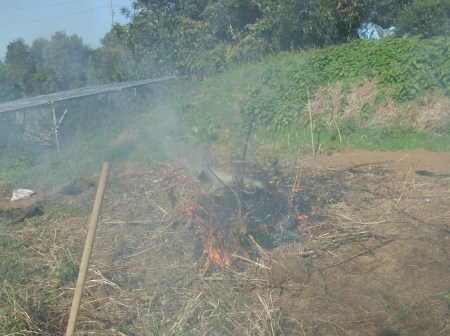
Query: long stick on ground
(88, 249)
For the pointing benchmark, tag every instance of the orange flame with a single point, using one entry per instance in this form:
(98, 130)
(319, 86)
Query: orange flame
(213, 244)
(215, 251)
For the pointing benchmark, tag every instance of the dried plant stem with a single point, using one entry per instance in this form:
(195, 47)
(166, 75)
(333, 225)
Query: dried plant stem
(311, 125)
(360, 254)
(251, 261)
(339, 133)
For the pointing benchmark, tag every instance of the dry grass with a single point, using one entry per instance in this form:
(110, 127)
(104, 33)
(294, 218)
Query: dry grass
(428, 113)
(375, 257)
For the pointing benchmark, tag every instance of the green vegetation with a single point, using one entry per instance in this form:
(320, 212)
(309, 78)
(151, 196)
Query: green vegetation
(394, 138)
(22, 271)
(446, 297)
(403, 64)
(199, 38)
(425, 18)
(8, 249)
(66, 272)
(11, 277)
(274, 97)
(280, 94)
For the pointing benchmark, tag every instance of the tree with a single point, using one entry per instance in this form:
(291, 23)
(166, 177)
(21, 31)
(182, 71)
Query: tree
(20, 67)
(44, 80)
(189, 36)
(111, 63)
(65, 60)
(383, 12)
(426, 18)
(177, 36)
(7, 90)
(47, 66)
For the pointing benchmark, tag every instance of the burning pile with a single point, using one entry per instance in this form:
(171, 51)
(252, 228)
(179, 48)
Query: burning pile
(246, 205)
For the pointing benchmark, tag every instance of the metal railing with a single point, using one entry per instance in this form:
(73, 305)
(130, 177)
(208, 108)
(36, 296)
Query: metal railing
(51, 98)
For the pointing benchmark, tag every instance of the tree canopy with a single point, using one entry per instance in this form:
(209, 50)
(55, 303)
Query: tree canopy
(47, 66)
(202, 37)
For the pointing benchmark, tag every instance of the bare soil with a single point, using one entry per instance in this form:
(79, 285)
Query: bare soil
(373, 260)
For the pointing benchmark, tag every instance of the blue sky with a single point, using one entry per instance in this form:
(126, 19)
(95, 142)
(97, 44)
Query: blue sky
(31, 19)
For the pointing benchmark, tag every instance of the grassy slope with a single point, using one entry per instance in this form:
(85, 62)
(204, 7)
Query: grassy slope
(270, 102)
(275, 95)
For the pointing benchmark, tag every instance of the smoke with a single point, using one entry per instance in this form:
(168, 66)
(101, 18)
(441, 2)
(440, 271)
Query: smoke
(174, 141)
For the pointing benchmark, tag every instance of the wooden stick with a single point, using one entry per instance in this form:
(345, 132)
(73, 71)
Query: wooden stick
(88, 249)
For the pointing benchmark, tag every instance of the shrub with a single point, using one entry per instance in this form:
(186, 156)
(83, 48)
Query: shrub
(425, 17)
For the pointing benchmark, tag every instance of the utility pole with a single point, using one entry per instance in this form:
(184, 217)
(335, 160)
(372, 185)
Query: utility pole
(111, 12)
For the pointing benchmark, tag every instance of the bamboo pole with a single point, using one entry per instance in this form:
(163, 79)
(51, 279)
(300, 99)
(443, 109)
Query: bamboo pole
(88, 249)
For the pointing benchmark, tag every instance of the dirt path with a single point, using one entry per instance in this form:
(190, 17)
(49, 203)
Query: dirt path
(402, 162)
(365, 287)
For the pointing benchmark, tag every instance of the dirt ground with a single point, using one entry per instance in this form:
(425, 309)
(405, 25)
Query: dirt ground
(397, 289)
(373, 258)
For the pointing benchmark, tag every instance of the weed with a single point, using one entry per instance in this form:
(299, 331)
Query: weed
(66, 272)
(14, 319)
(5, 241)
(381, 98)
(366, 111)
(15, 167)
(10, 323)
(9, 251)
(446, 297)
(60, 210)
(444, 129)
